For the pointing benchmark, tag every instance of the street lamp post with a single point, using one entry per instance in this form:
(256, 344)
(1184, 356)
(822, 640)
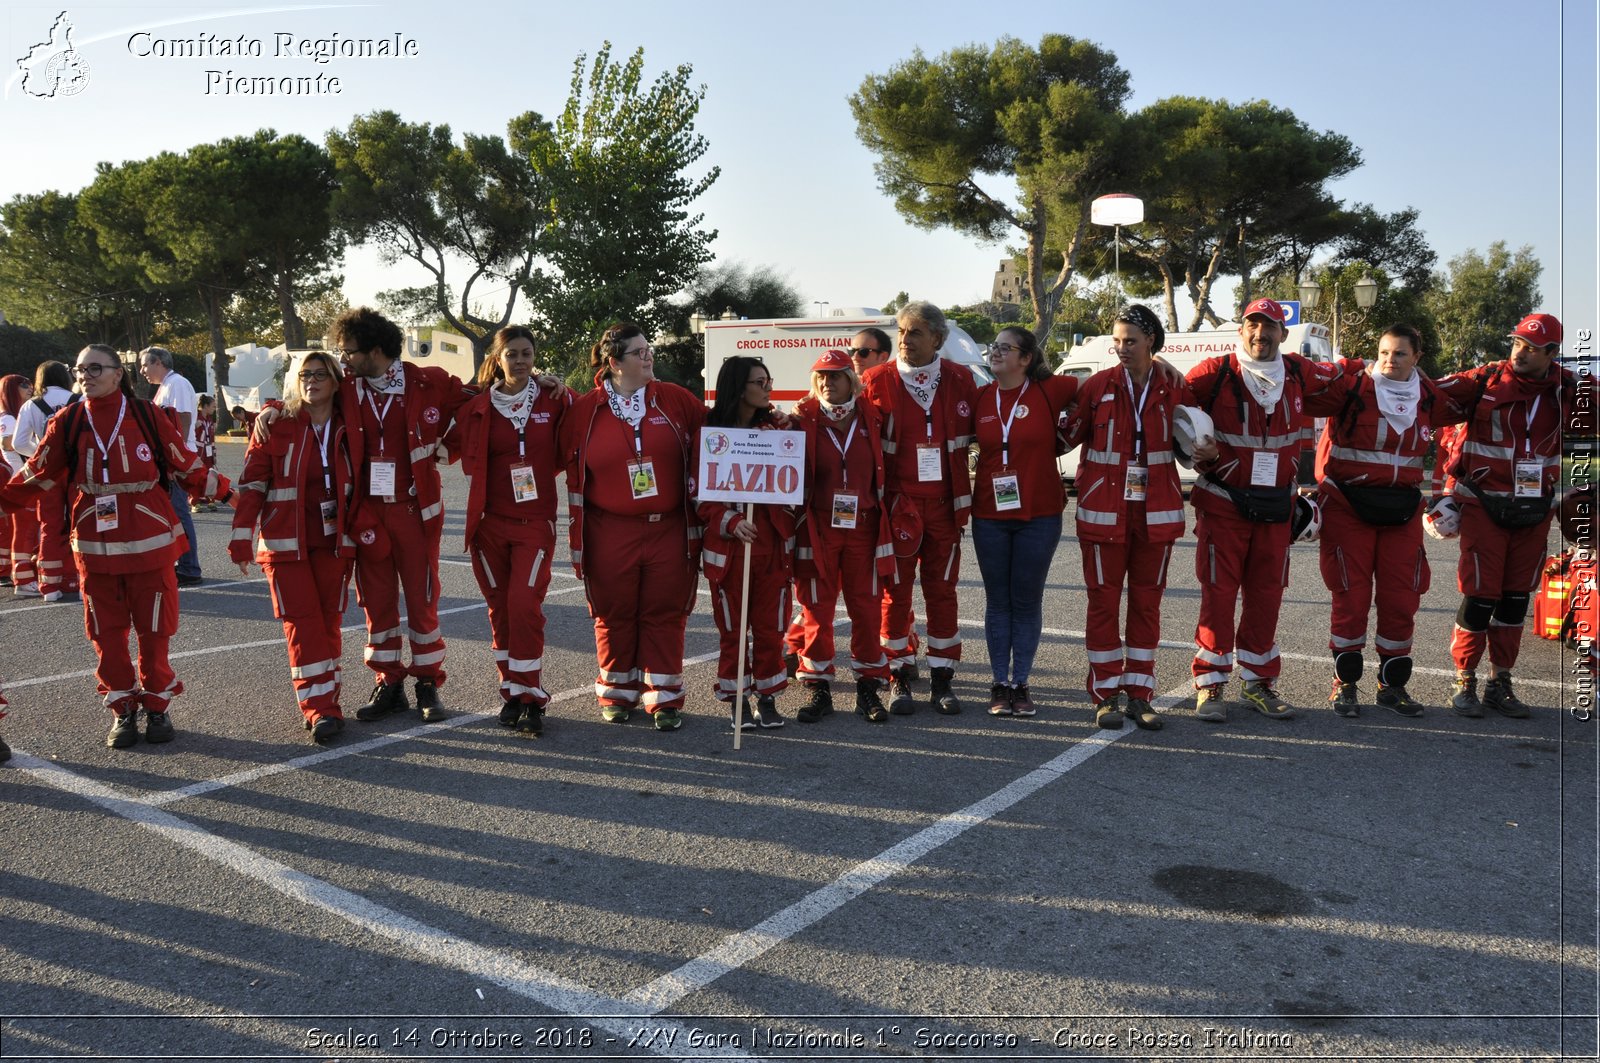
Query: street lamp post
(819, 304)
(1117, 209)
(1310, 293)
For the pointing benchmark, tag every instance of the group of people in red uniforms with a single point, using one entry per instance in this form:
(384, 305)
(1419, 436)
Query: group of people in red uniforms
(341, 481)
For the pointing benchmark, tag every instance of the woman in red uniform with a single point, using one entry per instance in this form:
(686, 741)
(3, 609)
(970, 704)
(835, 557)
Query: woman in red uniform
(1130, 511)
(298, 483)
(505, 439)
(114, 452)
(19, 534)
(842, 540)
(744, 390)
(1016, 507)
(635, 541)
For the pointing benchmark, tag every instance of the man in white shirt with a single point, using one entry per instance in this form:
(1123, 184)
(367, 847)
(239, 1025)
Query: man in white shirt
(175, 392)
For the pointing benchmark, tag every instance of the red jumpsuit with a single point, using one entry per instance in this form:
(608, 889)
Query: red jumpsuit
(634, 538)
(1126, 534)
(401, 432)
(940, 487)
(1236, 557)
(125, 536)
(511, 526)
(305, 547)
(1514, 423)
(771, 565)
(858, 561)
(1362, 560)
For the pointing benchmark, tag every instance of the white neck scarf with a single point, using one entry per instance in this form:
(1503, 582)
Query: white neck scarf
(921, 380)
(1397, 399)
(392, 382)
(629, 408)
(514, 408)
(1263, 380)
(841, 411)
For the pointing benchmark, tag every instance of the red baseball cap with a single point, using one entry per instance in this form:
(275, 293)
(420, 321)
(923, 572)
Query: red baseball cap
(1538, 330)
(831, 362)
(1267, 308)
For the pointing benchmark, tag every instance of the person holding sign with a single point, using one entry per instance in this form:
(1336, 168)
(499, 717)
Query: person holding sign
(627, 447)
(744, 389)
(114, 454)
(1130, 512)
(299, 484)
(926, 404)
(1017, 506)
(1505, 476)
(1262, 403)
(505, 438)
(1372, 516)
(843, 539)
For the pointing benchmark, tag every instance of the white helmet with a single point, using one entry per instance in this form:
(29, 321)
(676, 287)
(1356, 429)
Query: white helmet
(1307, 519)
(1443, 519)
(1190, 425)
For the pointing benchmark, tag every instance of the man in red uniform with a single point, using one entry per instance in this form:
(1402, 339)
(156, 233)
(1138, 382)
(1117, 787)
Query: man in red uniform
(397, 414)
(1505, 476)
(1372, 518)
(1262, 403)
(925, 403)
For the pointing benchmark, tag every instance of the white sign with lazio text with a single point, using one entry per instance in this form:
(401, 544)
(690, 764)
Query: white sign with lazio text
(751, 465)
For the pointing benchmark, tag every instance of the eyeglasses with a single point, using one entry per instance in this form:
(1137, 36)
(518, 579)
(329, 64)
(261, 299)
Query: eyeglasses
(1003, 349)
(863, 352)
(764, 385)
(640, 351)
(347, 351)
(92, 369)
(315, 375)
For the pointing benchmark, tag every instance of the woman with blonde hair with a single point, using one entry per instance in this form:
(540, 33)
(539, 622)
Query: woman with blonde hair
(843, 539)
(505, 439)
(298, 484)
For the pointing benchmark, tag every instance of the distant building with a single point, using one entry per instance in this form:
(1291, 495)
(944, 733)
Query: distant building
(436, 346)
(1007, 283)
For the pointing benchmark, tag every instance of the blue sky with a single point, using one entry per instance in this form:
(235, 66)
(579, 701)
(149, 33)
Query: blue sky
(1461, 110)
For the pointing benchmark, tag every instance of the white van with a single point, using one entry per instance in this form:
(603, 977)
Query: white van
(1184, 351)
(791, 345)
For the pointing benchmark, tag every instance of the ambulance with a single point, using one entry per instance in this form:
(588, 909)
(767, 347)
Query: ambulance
(791, 345)
(1184, 351)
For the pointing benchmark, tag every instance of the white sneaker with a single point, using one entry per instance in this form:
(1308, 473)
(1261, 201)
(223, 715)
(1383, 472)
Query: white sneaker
(26, 590)
(52, 596)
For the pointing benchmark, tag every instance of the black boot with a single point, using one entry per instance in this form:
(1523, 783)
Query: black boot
(944, 700)
(530, 720)
(903, 704)
(386, 698)
(819, 702)
(428, 701)
(868, 703)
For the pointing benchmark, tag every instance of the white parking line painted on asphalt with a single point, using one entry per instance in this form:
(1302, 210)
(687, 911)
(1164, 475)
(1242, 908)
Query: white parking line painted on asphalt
(547, 988)
(739, 949)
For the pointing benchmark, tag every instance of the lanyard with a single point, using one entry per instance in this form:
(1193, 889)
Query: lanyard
(844, 451)
(1138, 409)
(1527, 438)
(1005, 423)
(376, 413)
(105, 444)
(324, 434)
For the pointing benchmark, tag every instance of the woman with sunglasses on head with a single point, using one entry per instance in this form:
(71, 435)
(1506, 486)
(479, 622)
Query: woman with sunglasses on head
(1130, 511)
(744, 391)
(505, 439)
(628, 447)
(114, 453)
(1016, 507)
(843, 539)
(298, 483)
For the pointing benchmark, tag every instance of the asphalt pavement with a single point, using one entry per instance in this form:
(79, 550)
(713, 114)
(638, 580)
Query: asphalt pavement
(936, 887)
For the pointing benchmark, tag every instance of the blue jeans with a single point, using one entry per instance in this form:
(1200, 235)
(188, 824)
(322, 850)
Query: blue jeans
(1014, 557)
(189, 563)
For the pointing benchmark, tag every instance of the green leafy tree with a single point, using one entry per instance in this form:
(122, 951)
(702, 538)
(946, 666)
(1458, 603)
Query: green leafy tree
(623, 237)
(1479, 299)
(1228, 189)
(1391, 242)
(1360, 330)
(749, 291)
(998, 141)
(410, 190)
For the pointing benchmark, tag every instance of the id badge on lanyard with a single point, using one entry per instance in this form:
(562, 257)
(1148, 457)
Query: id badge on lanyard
(1264, 469)
(381, 482)
(523, 486)
(330, 516)
(105, 513)
(1529, 480)
(846, 505)
(1137, 484)
(1007, 493)
(642, 478)
(929, 468)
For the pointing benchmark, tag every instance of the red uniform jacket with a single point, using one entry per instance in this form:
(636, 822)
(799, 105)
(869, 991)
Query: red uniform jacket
(431, 399)
(277, 474)
(1364, 450)
(905, 427)
(1513, 419)
(1104, 425)
(817, 517)
(468, 442)
(685, 413)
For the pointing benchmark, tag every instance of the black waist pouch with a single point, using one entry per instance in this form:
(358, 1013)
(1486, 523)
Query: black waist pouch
(1515, 513)
(1382, 506)
(1264, 505)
